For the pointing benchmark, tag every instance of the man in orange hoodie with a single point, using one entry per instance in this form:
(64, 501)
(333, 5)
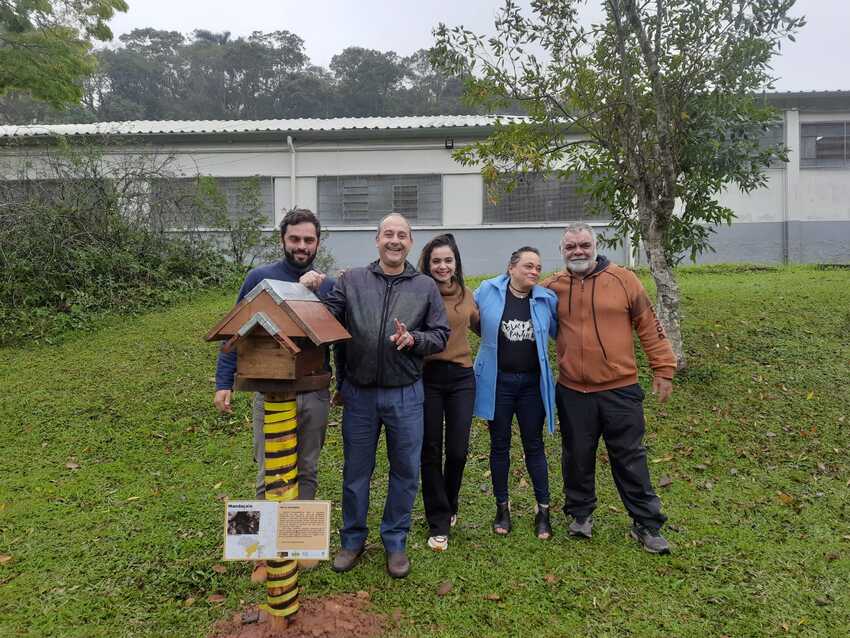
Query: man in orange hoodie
(599, 306)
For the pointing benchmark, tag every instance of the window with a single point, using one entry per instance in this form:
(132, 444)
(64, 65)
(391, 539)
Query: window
(364, 200)
(825, 145)
(176, 204)
(540, 198)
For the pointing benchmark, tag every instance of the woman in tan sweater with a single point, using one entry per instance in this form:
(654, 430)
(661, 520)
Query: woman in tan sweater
(449, 393)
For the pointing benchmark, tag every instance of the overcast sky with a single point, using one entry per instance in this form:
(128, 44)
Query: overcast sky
(816, 61)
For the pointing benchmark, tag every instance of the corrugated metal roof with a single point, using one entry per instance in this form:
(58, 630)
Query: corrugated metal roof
(201, 127)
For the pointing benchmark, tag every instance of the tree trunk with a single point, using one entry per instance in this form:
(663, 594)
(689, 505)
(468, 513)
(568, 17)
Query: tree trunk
(667, 292)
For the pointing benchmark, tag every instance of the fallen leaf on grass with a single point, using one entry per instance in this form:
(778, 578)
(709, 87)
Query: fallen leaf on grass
(831, 556)
(550, 578)
(665, 481)
(444, 588)
(72, 466)
(133, 498)
(493, 597)
(663, 459)
(217, 485)
(810, 395)
(522, 483)
(216, 598)
(5, 558)
(614, 509)
(846, 537)
(701, 466)
(786, 499)
(363, 595)
(219, 569)
(189, 602)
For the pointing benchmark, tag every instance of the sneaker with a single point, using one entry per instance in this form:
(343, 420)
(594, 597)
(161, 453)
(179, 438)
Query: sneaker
(346, 559)
(582, 527)
(398, 564)
(438, 543)
(453, 520)
(651, 540)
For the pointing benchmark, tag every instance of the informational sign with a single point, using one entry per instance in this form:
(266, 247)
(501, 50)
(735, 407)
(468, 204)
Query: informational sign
(260, 530)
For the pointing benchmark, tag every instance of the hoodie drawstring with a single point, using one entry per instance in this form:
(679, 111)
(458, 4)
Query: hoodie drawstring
(593, 311)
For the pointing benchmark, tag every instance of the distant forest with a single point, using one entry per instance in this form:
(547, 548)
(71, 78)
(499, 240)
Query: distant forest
(165, 75)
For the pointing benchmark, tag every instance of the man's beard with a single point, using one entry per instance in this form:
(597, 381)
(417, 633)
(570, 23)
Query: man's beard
(581, 266)
(291, 258)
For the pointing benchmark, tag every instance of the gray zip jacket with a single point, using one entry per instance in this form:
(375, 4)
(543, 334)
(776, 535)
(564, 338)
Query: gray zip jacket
(366, 302)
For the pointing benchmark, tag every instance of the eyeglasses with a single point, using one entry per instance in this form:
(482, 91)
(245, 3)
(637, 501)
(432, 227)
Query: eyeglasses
(585, 245)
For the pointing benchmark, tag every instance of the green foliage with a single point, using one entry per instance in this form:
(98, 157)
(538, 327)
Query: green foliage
(115, 465)
(45, 45)
(79, 240)
(158, 74)
(241, 225)
(652, 107)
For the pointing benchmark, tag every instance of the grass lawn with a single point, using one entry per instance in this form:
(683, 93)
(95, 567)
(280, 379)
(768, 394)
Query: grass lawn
(114, 465)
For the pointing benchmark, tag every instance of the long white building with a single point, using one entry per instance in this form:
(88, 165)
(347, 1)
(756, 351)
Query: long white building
(353, 171)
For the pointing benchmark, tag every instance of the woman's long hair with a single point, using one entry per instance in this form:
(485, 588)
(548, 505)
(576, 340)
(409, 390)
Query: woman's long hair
(447, 239)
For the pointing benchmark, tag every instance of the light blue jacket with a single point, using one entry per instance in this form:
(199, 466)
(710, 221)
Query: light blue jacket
(490, 298)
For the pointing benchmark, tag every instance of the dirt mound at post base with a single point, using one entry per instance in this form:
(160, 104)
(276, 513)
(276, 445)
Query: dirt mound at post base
(333, 617)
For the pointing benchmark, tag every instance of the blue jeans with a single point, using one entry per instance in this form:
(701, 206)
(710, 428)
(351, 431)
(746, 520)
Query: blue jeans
(365, 409)
(519, 393)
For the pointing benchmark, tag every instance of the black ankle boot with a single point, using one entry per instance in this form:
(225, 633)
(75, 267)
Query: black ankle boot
(503, 519)
(542, 526)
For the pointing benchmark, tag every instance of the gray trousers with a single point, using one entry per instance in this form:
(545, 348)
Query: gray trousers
(312, 419)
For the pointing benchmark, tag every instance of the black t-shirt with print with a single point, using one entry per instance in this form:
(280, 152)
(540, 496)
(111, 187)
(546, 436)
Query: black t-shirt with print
(517, 350)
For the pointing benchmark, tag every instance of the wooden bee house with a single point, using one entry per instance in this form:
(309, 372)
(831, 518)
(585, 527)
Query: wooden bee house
(280, 331)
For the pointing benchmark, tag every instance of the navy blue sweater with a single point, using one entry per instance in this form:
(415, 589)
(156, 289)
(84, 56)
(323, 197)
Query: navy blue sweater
(225, 367)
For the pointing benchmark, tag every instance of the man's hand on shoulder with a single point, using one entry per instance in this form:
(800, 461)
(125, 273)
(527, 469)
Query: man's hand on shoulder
(312, 279)
(662, 388)
(222, 401)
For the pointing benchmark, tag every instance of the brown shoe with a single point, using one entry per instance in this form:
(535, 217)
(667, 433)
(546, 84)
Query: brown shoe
(260, 574)
(346, 559)
(398, 564)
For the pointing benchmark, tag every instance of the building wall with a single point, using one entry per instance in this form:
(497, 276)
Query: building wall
(803, 214)
(484, 249)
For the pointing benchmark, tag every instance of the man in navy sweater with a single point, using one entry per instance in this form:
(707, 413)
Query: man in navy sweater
(300, 233)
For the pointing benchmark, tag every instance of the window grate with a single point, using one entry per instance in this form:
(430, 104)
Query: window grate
(824, 145)
(540, 198)
(365, 199)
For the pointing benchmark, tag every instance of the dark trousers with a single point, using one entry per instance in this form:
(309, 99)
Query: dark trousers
(365, 411)
(449, 397)
(616, 416)
(519, 393)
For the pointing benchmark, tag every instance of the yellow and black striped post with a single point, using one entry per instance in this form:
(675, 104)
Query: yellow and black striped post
(281, 449)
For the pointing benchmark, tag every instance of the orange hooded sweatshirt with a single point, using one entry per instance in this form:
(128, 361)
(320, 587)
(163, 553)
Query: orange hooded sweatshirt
(595, 320)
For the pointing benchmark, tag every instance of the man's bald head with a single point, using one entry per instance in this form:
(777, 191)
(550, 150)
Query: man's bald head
(394, 217)
(393, 239)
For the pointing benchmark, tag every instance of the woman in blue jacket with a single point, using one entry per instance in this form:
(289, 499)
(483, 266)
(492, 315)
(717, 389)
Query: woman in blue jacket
(512, 377)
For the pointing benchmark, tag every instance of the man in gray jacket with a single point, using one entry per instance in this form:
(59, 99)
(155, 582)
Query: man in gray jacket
(396, 317)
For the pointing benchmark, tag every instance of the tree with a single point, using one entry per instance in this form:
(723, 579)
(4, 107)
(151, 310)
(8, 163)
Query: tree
(366, 80)
(654, 109)
(45, 45)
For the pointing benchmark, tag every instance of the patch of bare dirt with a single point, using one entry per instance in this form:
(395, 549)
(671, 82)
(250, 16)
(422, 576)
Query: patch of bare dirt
(346, 615)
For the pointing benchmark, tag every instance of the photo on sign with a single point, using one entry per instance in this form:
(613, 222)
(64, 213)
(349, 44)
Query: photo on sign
(243, 522)
(250, 530)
